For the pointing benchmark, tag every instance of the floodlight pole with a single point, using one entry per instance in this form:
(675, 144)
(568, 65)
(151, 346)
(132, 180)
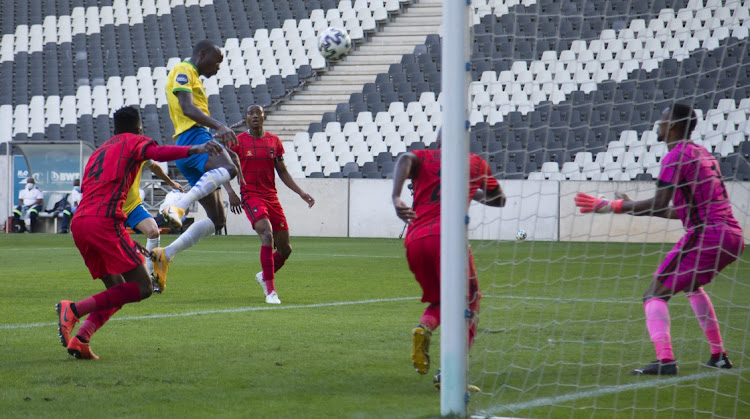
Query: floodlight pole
(454, 183)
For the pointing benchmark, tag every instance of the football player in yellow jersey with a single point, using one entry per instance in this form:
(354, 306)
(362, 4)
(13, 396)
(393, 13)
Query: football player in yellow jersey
(139, 219)
(188, 108)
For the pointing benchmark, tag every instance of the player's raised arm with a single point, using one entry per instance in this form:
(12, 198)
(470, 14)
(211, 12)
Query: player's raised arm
(288, 180)
(406, 166)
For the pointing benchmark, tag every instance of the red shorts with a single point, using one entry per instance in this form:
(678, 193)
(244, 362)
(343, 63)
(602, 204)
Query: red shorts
(258, 208)
(105, 246)
(699, 257)
(423, 255)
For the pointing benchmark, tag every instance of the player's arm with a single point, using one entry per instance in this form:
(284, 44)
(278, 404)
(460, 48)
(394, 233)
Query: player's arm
(494, 197)
(657, 206)
(490, 192)
(159, 173)
(176, 152)
(236, 160)
(406, 166)
(222, 132)
(288, 180)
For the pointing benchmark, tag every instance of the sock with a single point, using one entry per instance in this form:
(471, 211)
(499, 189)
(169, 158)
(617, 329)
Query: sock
(706, 315)
(94, 322)
(151, 244)
(116, 296)
(267, 263)
(205, 185)
(472, 333)
(657, 323)
(278, 261)
(431, 316)
(190, 237)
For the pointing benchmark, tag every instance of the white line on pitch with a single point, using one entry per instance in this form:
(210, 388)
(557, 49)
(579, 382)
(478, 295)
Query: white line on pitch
(222, 311)
(657, 382)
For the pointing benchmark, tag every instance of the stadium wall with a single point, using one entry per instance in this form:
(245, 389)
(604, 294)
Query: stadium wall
(545, 209)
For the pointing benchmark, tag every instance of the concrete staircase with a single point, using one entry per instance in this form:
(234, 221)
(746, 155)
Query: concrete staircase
(397, 37)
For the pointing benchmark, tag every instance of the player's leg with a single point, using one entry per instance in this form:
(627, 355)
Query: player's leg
(105, 248)
(140, 220)
(281, 238)
(423, 256)
(216, 170)
(673, 275)
(149, 229)
(80, 347)
(718, 250)
(163, 257)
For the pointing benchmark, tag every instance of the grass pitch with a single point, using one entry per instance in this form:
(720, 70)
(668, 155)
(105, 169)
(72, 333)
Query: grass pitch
(561, 325)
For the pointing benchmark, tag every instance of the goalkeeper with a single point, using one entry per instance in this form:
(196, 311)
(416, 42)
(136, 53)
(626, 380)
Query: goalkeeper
(691, 179)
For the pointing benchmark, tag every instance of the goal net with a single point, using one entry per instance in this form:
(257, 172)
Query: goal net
(564, 98)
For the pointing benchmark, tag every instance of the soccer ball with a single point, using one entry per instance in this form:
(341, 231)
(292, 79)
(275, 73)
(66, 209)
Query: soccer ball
(521, 235)
(334, 44)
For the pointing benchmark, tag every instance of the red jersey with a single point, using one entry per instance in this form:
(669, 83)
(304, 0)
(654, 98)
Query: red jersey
(111, 170)
(426, 183)
(258, 158)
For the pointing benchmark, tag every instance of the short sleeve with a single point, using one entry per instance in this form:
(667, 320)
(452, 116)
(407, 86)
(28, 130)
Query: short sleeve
(481, 175)
(141, 144)
(669, 164)
(39, 194)
(183, 81)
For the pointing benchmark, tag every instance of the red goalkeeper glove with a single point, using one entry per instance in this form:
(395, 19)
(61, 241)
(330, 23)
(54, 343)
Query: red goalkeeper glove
(589, 203)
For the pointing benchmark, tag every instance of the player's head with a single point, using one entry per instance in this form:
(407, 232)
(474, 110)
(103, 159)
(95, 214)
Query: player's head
(254, 116)
(30, 182)
(76, 182)
(677, 123)
(207, 57)
(127, 120)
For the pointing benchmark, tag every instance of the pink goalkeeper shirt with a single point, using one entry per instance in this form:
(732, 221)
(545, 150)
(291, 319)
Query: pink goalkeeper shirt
(700, 197)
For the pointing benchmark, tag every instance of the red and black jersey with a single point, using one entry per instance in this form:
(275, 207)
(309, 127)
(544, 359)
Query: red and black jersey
(426, 181)
(258, 158)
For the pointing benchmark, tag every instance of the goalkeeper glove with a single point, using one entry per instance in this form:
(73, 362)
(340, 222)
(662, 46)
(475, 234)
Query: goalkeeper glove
(589, 203)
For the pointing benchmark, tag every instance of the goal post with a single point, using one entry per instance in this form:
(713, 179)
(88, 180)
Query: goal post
(454, 190)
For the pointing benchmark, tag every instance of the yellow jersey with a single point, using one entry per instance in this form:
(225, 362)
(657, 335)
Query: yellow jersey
(134, 193)
(184, 77)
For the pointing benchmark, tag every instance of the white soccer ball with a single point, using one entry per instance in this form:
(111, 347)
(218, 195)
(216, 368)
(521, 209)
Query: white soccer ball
(521, 235)
(334, 44)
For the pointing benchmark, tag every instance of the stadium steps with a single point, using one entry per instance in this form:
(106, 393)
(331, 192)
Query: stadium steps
(385, 47)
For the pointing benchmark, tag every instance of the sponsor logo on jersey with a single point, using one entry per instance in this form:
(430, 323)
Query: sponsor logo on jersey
(181, 79)
(249, 153)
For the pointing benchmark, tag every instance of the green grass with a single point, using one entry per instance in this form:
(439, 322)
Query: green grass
(561, 325)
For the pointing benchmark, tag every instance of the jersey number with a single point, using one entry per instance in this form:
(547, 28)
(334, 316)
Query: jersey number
(97, 169)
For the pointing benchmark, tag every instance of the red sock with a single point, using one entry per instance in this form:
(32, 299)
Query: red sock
(95, 321)
(278, 261)
(266, 262)
(431, 316)
(472, 333)
(116, 296)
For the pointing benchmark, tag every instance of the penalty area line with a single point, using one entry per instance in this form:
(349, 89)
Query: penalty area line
(554, 401)
(222, 311)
